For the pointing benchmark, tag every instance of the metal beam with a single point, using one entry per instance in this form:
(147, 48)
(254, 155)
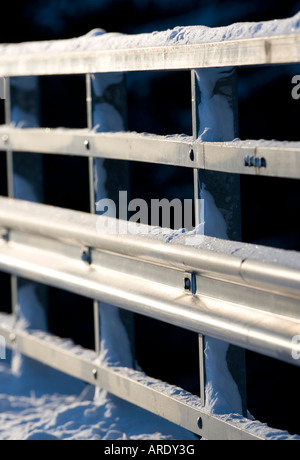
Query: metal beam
(22, 61)
(255, 158)
(166, 401)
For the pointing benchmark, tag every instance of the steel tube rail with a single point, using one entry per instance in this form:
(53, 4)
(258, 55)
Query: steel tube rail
(152, 278)
(81, 229)
(273, 159)
(253, 329)
(253, 51)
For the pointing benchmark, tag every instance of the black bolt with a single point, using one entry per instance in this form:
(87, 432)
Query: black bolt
(263, 163)
(86, 256)
(192, 155)
(257, 162)
(4, 234)
(187, 284)
(200, 423)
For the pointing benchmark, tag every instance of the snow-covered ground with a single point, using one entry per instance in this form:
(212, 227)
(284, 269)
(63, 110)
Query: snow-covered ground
(47, 405)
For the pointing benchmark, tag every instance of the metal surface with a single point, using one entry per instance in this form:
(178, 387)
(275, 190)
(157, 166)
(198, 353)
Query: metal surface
(199, 218)
(82, 229)
(135, 387)
(281, 159)
(253, 51)
(242, 301)
(89, 107)
(247, 296)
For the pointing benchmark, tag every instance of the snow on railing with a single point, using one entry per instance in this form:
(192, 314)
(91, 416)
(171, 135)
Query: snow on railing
(227, 291)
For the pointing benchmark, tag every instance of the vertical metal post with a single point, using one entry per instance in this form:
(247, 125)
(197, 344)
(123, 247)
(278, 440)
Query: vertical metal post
(25, 181)
(215, 118)
(10, 186)
(197, 195)
(107, 111)
(89, 103)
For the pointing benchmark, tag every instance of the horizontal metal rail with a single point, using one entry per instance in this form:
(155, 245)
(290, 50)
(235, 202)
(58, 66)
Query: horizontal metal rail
(249, 303)
(273, 159)
(165, 400)
(254, 51)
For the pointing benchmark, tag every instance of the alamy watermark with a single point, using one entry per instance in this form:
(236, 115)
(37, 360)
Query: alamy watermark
(2, 348)
(158, 216)
(2, 88)
(296, 347)
(296, 88)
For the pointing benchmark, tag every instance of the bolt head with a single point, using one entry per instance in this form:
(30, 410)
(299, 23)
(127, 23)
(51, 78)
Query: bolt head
(12, 337)
(247, 160)
(187, 284)
(86, 256)
(200, 423)
(95, 373)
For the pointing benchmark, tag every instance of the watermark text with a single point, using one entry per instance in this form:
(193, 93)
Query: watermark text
(137, 216)
(296, 88)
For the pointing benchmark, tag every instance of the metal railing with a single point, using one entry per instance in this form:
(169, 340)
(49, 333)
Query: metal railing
(238, 293)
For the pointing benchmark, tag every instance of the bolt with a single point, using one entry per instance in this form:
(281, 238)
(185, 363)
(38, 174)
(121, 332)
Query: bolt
(12, 337)
(200, 423)
(5, 138)
(95, 373)
(86, 256)
(87, 144)
(192, 155)
(187, 284)
(263, 163)
(190, 283)
(4, 234)
(247, 161)
(257, 162)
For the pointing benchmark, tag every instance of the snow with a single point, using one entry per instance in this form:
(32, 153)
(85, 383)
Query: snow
(47, 405)
(220, 399)
(42, 403)
(61, 415)
(189, 35)
(112, 334)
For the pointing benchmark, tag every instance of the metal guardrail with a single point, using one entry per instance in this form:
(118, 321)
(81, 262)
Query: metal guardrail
(247, 300)
(146, 277)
